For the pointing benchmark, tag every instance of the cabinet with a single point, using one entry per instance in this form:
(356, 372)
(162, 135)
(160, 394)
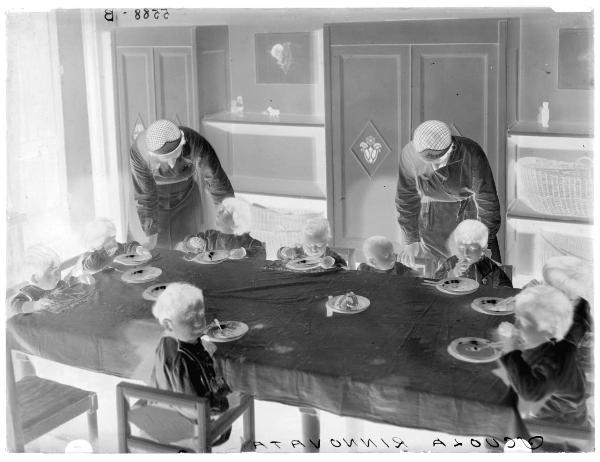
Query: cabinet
(175, 73)
(278, 156)
(549, 196)
(382, 81)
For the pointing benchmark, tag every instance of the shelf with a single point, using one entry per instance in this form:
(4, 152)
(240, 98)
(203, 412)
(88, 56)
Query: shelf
(254, 118)
(557, 129)
(519, 210)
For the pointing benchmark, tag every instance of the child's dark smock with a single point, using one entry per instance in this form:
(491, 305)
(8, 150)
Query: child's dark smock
(484, 271)
(299, 253)
(398, 269)
(552, 371)
(188, 368)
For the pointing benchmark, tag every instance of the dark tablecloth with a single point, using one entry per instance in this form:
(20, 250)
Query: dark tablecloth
(387, 364)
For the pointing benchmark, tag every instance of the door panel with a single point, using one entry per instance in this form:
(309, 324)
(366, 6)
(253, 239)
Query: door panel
(175, 92)
(459, 84)
(137, 110)
(370, 126)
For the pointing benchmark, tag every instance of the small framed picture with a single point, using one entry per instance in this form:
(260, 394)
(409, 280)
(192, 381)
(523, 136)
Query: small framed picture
(284, 58)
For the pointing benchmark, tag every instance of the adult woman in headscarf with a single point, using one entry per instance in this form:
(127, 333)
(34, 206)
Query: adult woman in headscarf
(443, 180)
(167, 164)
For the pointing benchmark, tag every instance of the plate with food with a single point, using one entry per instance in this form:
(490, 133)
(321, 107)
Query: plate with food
(132, 259)
(153, 292)
(349, 303)
(226, 331)
(141, 275)
(495, 306)
(474, 350)
(211, 257)
(457, 286)
(237, 254)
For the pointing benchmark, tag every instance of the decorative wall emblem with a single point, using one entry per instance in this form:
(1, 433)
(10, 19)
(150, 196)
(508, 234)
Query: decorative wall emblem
(137, 128)
(370, 149)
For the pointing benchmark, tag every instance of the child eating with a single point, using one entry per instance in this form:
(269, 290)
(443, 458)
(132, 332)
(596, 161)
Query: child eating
(181, 363)
(43, 267)
(467, 244)
(316, 235)
(233, 219)
(381, 258)
(100, 237)
(540, 356)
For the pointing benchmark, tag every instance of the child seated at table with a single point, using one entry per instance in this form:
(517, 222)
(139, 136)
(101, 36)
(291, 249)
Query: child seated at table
(381, 258)
(315, 236)
(181, 362)
(573, 277)
(540, 357)
(100, 238)
(233, 221)
(468, 244)
(42, 265)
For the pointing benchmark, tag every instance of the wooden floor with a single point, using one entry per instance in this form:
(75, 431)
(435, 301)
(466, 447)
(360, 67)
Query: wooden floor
(274, 423)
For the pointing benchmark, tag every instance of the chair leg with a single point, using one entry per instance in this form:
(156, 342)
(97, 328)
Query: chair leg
(249, 427)
(93, 429)
(311, 427)
(92, 420)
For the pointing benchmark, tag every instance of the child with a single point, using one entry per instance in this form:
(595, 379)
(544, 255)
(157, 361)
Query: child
(99, 237)
(540, 358)
(43, 267)
(467, 244)
(181, 363)
(573, 277)
(316, 236)
(380, 256)
(233, 219)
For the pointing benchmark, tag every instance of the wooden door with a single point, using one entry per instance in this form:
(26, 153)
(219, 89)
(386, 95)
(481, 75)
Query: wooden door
(176, 94)
(458, 84)
(370, 116)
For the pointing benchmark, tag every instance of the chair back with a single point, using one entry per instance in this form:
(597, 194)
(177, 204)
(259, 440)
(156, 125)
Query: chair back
(196, 405)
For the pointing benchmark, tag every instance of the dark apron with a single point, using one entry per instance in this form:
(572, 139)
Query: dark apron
(180, 212)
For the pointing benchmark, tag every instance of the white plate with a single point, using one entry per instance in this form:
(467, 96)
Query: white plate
(141, 275)
(132, 259)
(237, 254)
(304, 264)
(488, 305)
(153, 292)
(232, 330)
(363, 304)
(473, 350)
(457, 286)
(211, 257)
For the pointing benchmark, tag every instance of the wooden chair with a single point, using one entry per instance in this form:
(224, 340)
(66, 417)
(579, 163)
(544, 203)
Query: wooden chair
(37, 406)
(167, 426)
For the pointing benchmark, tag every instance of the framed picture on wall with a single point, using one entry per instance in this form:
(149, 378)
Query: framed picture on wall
(575, 59)
(284, 58)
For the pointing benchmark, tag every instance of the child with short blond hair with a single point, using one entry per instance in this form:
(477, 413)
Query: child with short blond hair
(316, 235)
(233, 221)
(540, 356)
(381, 258)
(181, 362)
(99, 237)
(468, 244)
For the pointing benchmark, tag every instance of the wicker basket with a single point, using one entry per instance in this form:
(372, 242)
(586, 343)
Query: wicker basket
(555, 187)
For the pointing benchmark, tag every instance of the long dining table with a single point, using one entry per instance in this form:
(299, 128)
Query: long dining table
(387, 364)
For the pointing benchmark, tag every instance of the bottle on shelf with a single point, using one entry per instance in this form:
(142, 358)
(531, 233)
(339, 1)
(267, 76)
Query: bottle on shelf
(544, 114)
